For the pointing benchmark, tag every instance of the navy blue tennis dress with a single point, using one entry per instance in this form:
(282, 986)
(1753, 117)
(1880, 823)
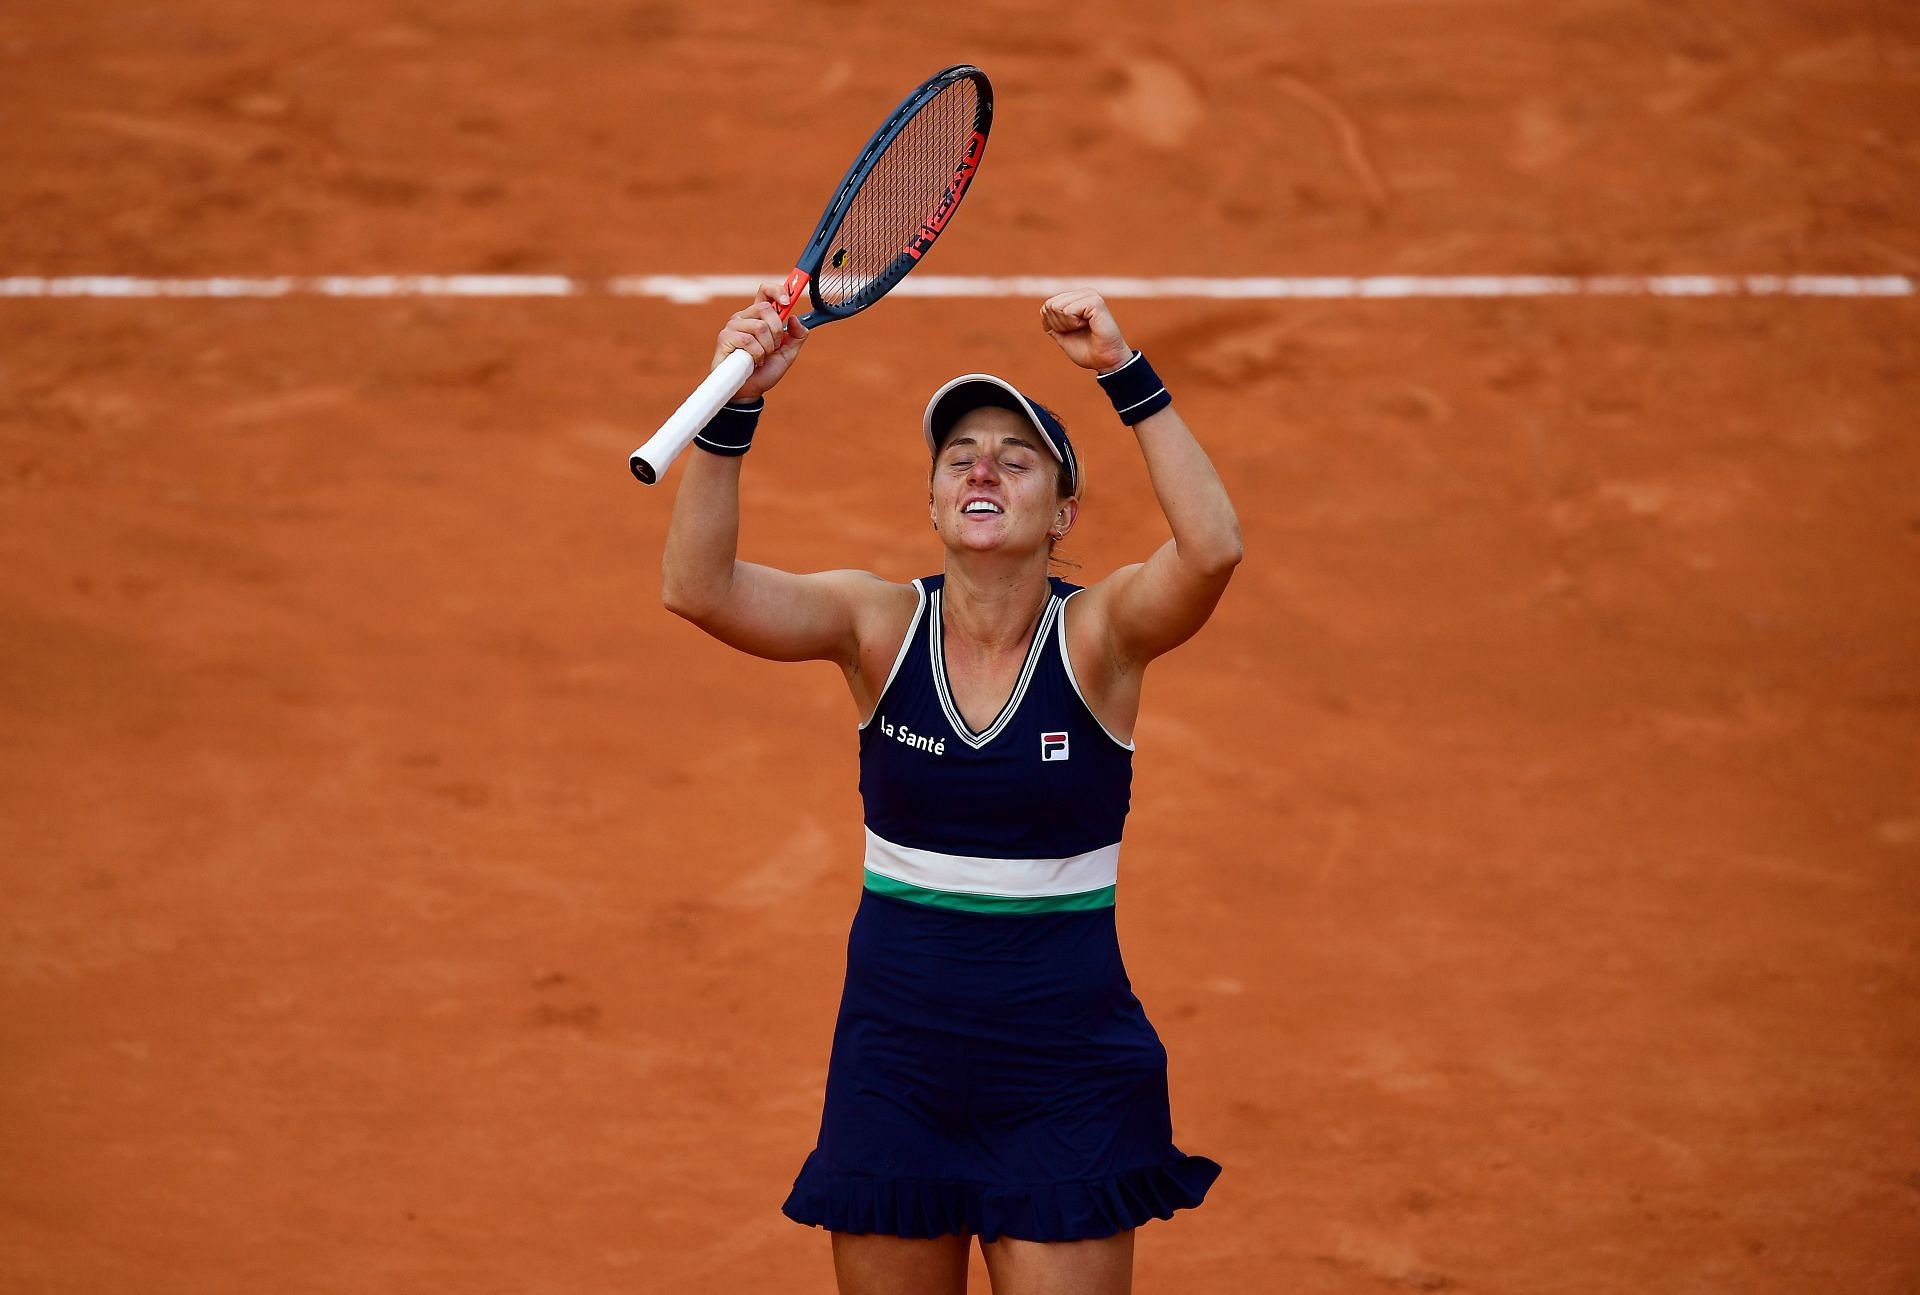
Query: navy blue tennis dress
(992, 1072)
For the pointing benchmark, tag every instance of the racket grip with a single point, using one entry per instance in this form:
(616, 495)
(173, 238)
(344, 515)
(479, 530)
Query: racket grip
(651, 461)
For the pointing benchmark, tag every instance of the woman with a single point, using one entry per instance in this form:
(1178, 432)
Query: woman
(992, 1073)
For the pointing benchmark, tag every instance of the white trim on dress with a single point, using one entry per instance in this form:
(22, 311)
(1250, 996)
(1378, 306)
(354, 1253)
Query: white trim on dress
(900, 657)
(1011, 878)
(937, 656)
(1067, 661)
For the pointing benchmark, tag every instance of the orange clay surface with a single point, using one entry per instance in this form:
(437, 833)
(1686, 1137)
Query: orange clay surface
(1525, 868)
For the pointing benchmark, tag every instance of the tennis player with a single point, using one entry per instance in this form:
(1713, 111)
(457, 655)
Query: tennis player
(992, 1073)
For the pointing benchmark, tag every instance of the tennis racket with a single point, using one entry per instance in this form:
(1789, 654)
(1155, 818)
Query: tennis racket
(895, 200)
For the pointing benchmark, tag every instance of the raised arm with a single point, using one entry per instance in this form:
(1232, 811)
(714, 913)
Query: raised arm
(757, 609)
(1149, 608)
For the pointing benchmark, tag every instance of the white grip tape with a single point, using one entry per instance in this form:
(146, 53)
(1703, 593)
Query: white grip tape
(658, 454)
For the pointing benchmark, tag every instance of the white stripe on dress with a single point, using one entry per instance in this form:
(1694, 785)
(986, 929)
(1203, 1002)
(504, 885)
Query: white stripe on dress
(1009, 877)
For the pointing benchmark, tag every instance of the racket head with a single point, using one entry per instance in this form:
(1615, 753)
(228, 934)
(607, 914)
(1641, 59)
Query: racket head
(899, 194)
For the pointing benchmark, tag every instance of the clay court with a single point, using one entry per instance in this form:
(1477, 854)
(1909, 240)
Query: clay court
(1524, 872)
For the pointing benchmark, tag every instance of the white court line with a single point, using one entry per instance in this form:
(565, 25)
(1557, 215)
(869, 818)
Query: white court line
(698, 288)
(337, 285)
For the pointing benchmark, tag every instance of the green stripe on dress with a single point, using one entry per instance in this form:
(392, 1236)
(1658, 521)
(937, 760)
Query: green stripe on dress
(1086, 899)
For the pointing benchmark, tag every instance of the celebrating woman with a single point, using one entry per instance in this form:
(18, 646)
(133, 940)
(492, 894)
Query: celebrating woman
(992, 1073)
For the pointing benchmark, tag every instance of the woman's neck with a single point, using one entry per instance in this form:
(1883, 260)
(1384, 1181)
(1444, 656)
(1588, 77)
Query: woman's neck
(993, 606)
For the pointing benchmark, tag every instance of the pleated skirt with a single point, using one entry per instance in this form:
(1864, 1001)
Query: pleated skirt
(992, 1074)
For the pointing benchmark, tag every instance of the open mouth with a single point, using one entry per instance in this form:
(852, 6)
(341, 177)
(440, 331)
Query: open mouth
(979, 506)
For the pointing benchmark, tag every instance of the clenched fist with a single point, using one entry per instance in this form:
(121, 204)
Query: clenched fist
(1081, 322)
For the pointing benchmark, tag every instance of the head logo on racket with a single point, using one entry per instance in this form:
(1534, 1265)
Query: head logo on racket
(962, 177)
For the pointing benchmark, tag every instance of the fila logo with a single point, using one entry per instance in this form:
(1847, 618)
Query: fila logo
(1053, 746)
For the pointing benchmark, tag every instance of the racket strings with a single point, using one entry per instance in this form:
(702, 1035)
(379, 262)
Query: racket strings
(905, 187)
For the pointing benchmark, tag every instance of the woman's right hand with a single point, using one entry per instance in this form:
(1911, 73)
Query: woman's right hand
(759, 332)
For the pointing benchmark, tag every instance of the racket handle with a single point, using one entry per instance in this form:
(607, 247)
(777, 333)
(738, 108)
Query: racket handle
(650, 461)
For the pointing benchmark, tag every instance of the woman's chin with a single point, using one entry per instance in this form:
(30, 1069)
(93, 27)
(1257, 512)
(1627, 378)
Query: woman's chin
(997, 543)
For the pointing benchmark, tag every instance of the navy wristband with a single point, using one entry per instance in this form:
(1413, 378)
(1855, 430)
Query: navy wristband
(1135, 390)
(730, 432)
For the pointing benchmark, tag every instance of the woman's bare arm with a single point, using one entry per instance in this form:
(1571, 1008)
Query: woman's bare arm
(757, 609)
(1150, 608)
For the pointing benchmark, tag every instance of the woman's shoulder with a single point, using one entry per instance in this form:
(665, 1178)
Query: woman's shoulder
(883, 606)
